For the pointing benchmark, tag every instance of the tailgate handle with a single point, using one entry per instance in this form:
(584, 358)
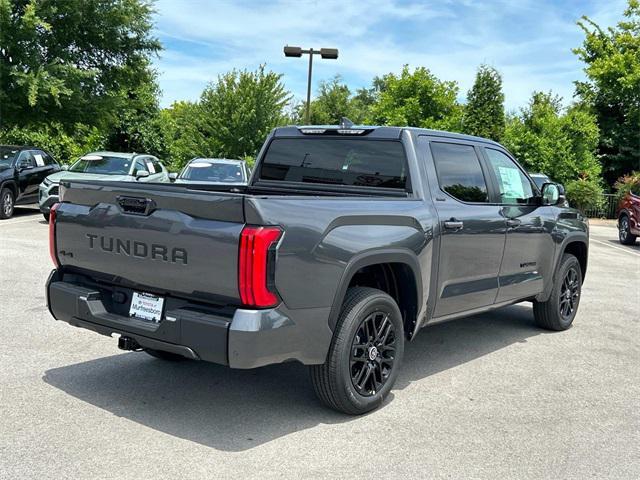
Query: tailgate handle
(136, 205)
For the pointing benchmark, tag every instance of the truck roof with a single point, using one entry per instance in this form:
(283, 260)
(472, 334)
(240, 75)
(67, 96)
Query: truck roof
(376, 131)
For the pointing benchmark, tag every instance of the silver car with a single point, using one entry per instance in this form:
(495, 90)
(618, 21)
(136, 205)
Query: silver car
(109, 166)
(216, 171)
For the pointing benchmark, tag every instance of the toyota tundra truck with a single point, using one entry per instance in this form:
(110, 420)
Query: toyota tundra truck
(344, 244)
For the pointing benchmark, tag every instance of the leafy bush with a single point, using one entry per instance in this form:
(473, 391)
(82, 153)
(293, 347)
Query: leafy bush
(628, 183)
(558, 142)
(584, 194)
(53, 138)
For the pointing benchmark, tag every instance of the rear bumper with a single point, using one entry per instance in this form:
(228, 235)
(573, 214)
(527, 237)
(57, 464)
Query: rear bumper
(240, 338)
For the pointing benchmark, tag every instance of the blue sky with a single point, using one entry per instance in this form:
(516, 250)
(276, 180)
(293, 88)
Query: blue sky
(528, 41)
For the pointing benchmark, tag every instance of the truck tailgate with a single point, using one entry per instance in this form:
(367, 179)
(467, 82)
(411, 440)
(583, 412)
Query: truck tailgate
(164, 239)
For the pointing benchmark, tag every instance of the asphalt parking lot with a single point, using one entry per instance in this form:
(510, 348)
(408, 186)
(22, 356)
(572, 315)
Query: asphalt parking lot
(491, 396)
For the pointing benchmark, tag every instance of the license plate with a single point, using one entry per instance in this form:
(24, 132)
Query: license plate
(146, 306)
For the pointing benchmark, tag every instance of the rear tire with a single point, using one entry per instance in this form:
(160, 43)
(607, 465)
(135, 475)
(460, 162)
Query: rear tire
(558, 312)
(46, 217)
(162, 355)
(365, 354)
(7, 203)
(624, 231)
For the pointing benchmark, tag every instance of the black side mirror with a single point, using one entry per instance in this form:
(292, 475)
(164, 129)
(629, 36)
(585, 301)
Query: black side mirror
(552, 194)
(24, 165)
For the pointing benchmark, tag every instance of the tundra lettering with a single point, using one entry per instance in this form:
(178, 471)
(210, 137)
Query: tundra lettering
(140, 249)
(345, 243)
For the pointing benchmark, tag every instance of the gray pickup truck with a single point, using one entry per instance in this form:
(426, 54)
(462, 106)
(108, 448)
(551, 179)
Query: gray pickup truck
(344, 244)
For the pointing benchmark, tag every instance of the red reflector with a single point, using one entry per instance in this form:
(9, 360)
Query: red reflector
(52, 235)
(253, 265)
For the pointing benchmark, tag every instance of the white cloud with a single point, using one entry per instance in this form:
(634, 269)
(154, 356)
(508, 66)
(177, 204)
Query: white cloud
(528, 42)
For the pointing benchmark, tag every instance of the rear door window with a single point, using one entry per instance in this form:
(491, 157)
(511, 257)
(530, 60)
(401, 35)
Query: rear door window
(336, 161)
(459, 171)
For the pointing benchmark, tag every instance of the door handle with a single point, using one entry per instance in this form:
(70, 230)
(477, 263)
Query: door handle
(513, 222)
(453, 225)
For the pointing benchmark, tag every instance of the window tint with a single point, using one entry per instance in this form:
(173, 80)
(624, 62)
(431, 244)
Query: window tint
(515, 188)
(26, 158)
(459, 171)
(362, 163)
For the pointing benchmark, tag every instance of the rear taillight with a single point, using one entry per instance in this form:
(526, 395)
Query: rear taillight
(52, 235)
(256, 266)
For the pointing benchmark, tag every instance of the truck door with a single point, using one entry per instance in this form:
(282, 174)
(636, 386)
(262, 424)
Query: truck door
(28, 178)
(472, 229)
(529, 247)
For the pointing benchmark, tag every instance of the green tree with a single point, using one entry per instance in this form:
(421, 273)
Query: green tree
(334, 101)
(612, 65)
(180, 125)
(484, 111)
(72, 61)
(558, 142)
(231, 119)
(138, 126)
(240, 109)
(417, 99)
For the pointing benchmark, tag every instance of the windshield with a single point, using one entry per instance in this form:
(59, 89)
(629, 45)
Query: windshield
(201, 171)
(361, 163)
(7, 154)
(102, 164)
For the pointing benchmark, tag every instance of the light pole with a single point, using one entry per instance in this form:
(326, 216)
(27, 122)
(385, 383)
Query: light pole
(328, 53)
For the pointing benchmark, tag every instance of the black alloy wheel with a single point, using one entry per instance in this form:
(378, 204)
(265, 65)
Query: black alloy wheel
(372, 353)
(569, 293)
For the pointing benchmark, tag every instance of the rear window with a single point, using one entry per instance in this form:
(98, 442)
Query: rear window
(336, 161)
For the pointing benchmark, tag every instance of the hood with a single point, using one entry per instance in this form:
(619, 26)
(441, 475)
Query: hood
(67, 175)
(6, 171)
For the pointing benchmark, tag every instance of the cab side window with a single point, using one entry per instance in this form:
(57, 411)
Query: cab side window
(459, 172)
(515, 187)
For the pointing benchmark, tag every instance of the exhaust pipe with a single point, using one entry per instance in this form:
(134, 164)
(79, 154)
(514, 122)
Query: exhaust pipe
(128, 344)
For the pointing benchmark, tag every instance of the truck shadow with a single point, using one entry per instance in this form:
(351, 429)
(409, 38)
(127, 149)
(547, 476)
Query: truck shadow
(235, 410)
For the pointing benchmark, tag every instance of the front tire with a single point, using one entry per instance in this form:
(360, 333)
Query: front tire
(46, 216)
(624, 231)
(365, 354)
(7, 203)
(558, 312)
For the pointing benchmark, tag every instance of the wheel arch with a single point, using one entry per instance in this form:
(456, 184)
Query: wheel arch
(386, 270)
(12, 185)
(579, 249)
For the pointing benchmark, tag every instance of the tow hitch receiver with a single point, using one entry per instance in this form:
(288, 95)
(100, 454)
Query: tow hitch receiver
(128, 343)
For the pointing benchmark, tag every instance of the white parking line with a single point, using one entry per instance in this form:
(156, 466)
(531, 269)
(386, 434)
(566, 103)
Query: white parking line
(7, 223)
(617, 248)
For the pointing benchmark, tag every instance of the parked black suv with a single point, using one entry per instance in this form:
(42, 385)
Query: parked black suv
(346, 242)
(22, 169)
